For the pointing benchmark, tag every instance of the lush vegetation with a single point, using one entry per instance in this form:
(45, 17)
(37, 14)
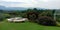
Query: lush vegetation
(23, 13)
(36, 13)
(40, 16)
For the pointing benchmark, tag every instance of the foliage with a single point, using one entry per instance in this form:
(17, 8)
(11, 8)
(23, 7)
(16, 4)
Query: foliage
(32, 16)
(44, 20)
(48, 13)
(2, 17)
(58, 18)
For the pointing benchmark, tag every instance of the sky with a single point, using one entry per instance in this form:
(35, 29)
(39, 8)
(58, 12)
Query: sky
(49, 4)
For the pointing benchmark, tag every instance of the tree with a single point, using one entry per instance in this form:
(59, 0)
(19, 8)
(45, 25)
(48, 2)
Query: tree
(32, 16)
(2, 16)
(45, 20)
(35, 9)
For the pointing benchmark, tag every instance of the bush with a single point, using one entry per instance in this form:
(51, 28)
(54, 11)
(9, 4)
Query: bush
(3, 16)
(32, 16)
(58, 18)
(44, 20)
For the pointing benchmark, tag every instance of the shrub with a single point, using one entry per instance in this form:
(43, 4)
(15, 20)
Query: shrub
(2, 18)
(32, 16)
(44, 20)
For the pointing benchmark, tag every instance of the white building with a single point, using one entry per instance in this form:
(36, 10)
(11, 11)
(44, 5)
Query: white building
(17, 19)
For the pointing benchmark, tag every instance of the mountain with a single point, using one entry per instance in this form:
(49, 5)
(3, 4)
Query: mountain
(2, 7)
(18, 8)
(12, 8)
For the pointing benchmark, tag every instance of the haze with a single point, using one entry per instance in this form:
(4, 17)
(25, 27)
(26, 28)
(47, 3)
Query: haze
(49, 4)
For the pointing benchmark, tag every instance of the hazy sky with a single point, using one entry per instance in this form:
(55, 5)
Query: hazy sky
(51, 4)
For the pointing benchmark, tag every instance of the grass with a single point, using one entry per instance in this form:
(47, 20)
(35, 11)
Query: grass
(25, 26)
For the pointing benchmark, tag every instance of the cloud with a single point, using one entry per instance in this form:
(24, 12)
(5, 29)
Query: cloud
(17, 3)
(8, 0)
(51, 4)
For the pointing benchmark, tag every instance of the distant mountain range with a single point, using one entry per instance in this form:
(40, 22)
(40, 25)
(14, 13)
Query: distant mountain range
(15, 8)
(12, 8)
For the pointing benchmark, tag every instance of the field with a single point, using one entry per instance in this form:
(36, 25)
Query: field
(25, 26)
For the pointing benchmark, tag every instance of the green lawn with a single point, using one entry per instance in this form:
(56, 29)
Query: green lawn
(25, 26)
